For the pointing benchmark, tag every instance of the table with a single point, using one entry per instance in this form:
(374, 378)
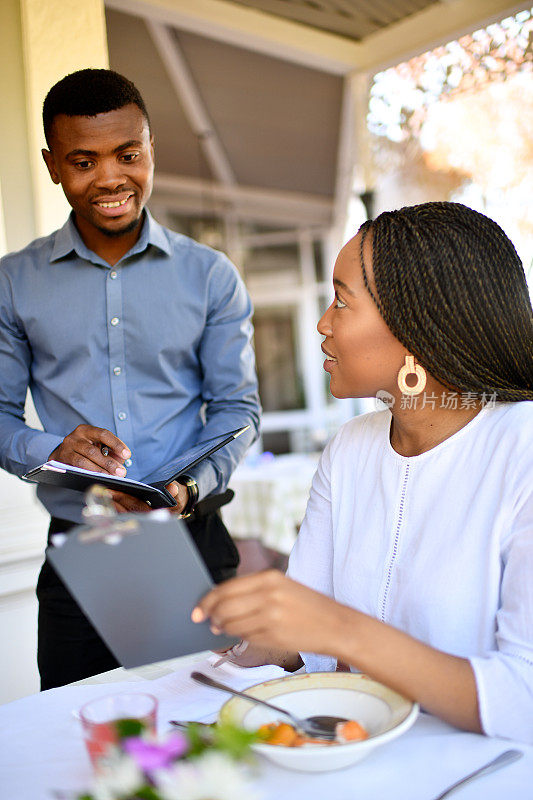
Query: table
(270, 499)
(41, 747)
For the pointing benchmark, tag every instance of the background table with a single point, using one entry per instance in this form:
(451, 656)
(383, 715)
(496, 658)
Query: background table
(270, 499)
(41, 748)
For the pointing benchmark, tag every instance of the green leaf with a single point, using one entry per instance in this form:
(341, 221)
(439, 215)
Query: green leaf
(234, 740)
(200, 739)
(128, 728)
(146, 793)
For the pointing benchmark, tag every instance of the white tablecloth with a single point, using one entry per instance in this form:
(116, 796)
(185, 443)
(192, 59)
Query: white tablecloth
(41, 746)
(270, 500)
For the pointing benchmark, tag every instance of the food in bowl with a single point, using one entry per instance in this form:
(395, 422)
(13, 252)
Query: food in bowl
(281, 733)
(381, 711)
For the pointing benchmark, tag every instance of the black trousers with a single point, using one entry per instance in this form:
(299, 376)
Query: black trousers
(68, 647)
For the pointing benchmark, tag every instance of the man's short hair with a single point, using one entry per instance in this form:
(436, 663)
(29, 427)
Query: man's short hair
(89, 92)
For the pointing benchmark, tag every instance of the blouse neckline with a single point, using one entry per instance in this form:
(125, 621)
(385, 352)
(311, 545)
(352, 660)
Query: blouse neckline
(448, 442)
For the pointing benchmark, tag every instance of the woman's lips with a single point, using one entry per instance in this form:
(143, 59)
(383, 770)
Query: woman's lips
(330, 360)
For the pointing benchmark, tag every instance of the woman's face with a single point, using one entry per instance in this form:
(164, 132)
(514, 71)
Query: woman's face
(362, 355)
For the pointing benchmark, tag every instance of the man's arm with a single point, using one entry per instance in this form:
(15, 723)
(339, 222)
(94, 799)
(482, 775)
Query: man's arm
(229, 386)
(21, 447)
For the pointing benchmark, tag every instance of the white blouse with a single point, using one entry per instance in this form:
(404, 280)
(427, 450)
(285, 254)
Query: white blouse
(439, 545)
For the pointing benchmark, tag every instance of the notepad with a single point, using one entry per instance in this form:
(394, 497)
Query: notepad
(151, 491)
(137, 579)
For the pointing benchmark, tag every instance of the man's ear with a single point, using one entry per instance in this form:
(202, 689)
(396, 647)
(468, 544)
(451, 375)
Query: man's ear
(152, 144)
(50, 163)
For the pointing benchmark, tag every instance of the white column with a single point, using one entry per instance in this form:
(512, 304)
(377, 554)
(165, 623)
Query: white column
(354, 161)
(40, 42)
(308, 335)
(15, 173)
(58, 37)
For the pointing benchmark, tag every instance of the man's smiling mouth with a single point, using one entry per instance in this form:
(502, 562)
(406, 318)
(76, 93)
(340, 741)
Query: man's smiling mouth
(112, 203)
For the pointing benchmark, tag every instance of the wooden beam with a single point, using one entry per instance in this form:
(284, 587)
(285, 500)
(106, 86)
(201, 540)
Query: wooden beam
(193, 106)
(439, 23)
(287, 209)
(289, 236)
(250, 29)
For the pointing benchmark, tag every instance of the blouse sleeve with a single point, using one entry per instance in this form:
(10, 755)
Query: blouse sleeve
(311, 561)
(504, 678)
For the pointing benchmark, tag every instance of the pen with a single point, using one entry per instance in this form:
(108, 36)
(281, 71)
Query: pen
(237, 650)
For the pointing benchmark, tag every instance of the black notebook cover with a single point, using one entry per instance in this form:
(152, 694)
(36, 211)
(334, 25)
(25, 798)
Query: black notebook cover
(152, 492)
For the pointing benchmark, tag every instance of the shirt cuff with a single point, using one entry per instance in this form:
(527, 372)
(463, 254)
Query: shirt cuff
(206, 477)
(318, 663)
(39, 448)
(505, 695)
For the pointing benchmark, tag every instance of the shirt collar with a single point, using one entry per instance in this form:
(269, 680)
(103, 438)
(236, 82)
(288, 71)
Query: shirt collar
(67, 239)
(156, 234)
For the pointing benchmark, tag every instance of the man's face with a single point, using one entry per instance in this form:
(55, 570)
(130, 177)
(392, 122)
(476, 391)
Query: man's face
(105, 165)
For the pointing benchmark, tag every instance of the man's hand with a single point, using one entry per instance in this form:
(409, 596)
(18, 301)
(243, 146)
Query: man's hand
(83, 448)
(180, 493)
(126, 504)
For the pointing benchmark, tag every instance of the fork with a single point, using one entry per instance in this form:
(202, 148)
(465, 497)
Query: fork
(505, 758)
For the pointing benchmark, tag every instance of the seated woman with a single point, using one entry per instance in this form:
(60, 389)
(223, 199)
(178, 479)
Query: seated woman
(415, 560)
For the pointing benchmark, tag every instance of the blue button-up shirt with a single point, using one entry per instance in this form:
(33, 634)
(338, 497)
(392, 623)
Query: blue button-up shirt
(157, 349)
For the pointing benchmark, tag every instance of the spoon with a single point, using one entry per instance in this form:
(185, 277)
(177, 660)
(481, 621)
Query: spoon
(320, 726)
(318, 719)
(507, 757)
(183, 724)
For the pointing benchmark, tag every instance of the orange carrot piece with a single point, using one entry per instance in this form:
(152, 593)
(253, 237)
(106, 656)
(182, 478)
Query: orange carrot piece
(284, 734)
(351, 731)
(265, 731)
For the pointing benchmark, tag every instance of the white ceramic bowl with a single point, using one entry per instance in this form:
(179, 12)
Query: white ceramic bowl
(385, 714)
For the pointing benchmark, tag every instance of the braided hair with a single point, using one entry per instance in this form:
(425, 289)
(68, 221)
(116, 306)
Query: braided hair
(451, 288)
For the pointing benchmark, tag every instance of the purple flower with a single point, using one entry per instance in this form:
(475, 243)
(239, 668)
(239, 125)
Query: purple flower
(153, 755)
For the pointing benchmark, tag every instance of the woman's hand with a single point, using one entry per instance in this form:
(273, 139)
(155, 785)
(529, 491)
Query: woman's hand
(269, 609)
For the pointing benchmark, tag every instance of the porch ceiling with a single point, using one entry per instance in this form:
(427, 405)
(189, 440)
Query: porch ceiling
(267, 96)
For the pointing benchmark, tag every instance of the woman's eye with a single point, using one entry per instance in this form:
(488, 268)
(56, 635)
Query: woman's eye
(338, 302)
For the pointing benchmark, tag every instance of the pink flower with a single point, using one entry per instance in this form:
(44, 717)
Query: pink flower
(153, 755)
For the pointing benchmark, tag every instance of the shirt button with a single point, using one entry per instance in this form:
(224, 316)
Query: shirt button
(117, 370)
(128, 462)
(115, 321)
(122, 415)
(113, 274)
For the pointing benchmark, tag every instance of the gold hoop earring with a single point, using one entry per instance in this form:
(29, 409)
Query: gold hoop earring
(410, 368)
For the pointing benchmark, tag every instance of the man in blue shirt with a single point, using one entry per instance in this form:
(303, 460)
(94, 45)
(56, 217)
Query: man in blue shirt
(134, 341)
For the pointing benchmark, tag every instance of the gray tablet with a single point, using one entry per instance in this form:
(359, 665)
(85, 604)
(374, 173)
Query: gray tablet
(137, 579)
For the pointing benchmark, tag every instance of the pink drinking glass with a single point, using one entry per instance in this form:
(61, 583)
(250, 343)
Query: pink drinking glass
(99, 718)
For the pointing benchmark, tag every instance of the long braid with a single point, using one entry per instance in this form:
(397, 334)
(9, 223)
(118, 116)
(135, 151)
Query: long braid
(450, 286)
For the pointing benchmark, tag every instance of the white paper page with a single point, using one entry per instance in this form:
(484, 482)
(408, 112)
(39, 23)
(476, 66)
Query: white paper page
(57, 466)
(182, 698)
